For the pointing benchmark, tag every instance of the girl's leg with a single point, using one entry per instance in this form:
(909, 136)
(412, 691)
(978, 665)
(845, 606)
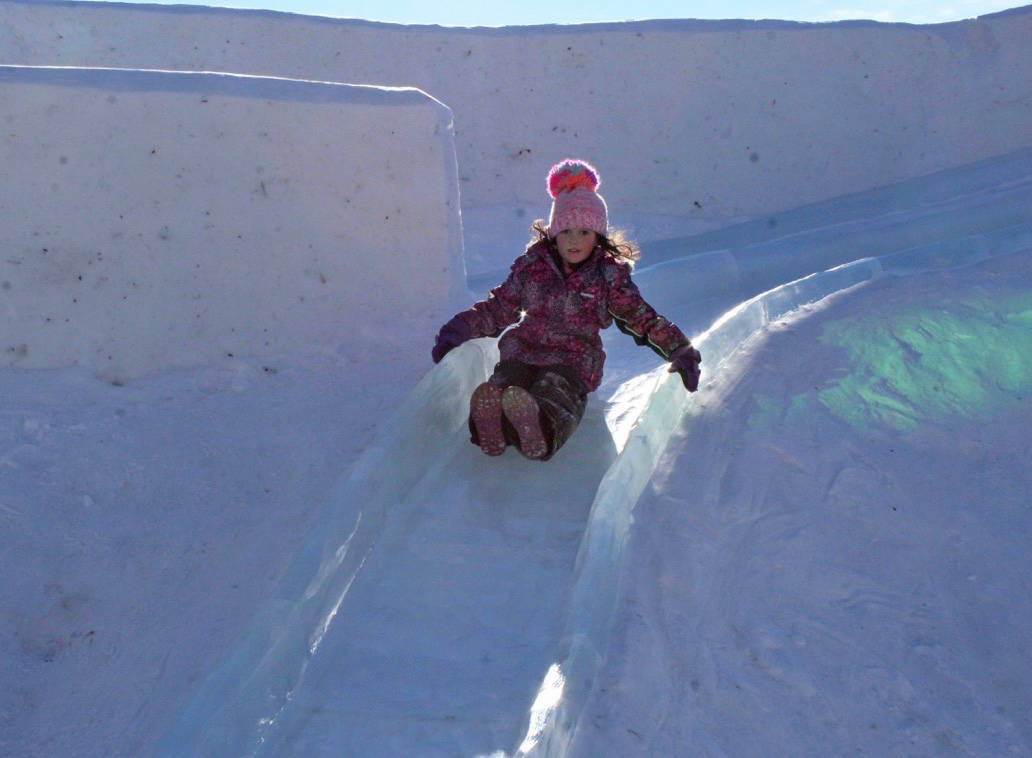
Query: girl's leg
(538, 415)
(562, 400)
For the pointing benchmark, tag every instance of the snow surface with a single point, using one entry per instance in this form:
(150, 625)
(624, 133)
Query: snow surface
(823, 552)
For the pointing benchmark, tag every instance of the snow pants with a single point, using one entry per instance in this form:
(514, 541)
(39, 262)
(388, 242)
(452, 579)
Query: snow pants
(560, 395)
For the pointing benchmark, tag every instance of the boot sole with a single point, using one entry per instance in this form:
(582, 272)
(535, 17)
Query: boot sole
(485, 410)
(520, 407)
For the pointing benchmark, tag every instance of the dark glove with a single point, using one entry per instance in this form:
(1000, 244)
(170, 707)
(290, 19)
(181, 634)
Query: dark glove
(685, 361)
(452, 334)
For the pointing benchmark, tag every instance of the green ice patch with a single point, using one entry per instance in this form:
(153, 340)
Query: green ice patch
(969, 358)
(769, 412)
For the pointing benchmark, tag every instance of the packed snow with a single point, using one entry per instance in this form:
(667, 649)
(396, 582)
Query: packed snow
(298, 552)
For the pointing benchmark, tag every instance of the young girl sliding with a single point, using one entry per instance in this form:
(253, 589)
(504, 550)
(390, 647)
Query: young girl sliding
(569, 284)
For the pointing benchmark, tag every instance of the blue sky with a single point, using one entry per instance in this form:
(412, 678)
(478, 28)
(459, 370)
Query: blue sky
(481, 13)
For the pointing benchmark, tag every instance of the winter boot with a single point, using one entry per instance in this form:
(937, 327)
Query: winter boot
(485, 411)
(520, 407)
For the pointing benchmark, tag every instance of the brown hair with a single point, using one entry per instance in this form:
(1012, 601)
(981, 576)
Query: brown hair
(615, 243)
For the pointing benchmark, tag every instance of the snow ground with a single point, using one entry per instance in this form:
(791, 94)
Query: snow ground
(144, 524)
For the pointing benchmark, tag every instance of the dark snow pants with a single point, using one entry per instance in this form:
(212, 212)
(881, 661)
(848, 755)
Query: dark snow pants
(560, 395)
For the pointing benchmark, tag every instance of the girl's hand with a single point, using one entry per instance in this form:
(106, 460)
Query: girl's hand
(685, 361)
(452, 334)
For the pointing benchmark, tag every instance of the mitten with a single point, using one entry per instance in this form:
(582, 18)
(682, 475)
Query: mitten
(452, 334)
(685, 361)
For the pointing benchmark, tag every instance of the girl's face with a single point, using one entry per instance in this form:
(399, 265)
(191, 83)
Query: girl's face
(575, 245)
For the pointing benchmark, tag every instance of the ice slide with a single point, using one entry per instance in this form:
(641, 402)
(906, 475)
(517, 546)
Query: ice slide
(436, 597)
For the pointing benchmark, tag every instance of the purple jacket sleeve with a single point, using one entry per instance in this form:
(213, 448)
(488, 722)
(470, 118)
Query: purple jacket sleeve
(637, 318)
(502, 307)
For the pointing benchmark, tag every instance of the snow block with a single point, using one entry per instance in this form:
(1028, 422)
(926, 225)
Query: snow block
(168, 219)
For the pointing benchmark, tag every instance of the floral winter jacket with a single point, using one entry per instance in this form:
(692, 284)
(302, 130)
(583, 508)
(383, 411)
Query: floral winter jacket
(564, 314)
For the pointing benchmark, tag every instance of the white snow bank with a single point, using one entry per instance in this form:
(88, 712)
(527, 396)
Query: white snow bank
(143, 526)
(706, 120)
(832, 556)
(164, 219)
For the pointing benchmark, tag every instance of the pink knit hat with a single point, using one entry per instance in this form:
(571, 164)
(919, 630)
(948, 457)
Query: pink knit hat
(575, 203)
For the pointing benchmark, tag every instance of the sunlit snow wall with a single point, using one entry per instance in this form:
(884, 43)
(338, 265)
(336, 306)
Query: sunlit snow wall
(168, 219)
(697, 119)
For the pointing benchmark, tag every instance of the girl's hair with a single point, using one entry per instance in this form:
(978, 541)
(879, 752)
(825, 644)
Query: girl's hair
(615, 243)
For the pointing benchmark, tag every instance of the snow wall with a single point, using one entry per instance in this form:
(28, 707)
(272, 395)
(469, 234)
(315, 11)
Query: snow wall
(134, 249)
(736, 119)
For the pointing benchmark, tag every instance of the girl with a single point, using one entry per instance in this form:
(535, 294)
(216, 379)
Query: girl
(570, 283)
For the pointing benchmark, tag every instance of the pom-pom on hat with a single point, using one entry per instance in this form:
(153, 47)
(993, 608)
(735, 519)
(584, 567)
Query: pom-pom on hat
(576, 204)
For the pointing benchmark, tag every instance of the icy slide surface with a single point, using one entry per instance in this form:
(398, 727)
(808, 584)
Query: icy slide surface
(396, 594)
